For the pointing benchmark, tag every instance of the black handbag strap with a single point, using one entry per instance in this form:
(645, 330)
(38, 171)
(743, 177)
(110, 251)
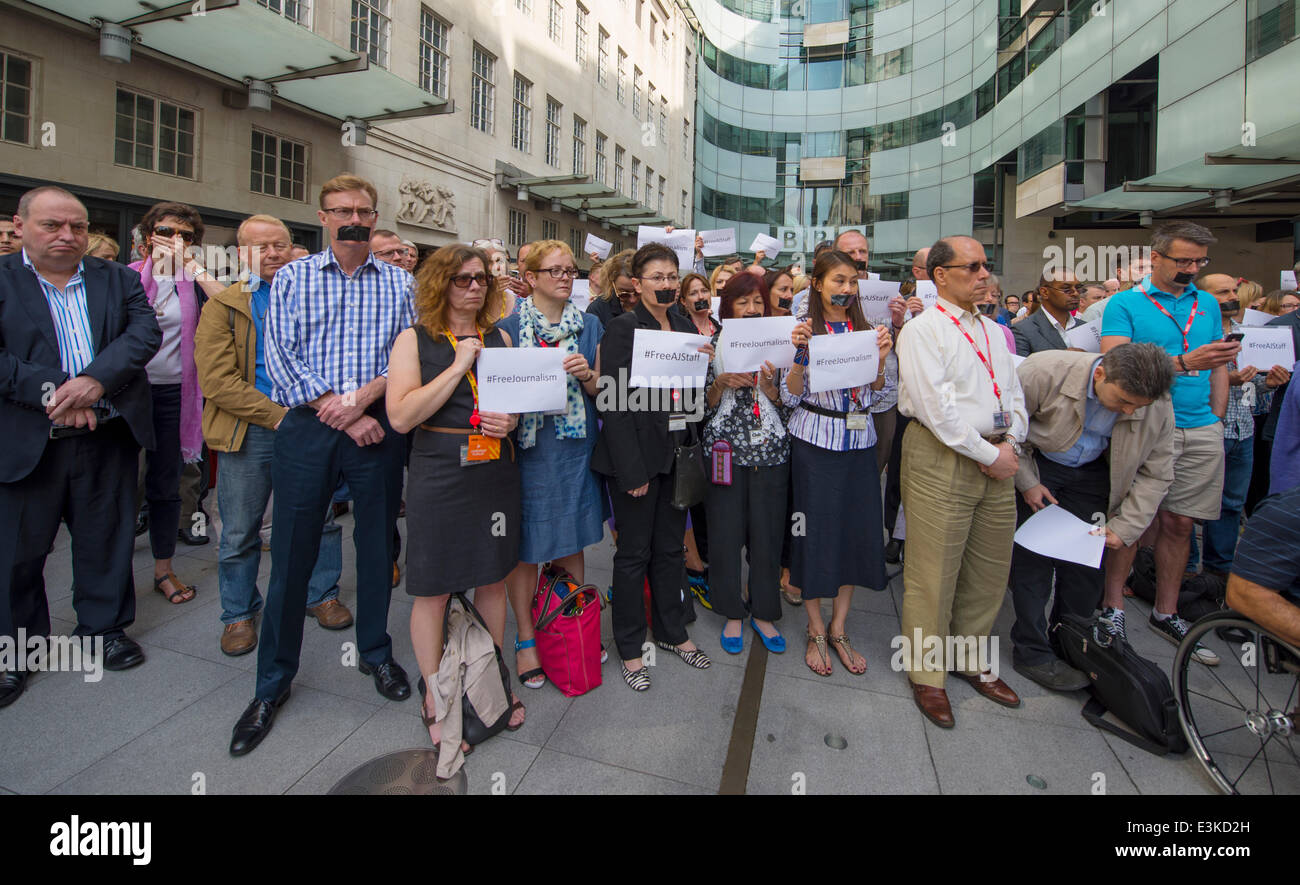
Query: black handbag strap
(1095, 709)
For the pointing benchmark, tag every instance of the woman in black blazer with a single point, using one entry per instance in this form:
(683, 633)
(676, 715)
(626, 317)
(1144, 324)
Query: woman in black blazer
(635, 453)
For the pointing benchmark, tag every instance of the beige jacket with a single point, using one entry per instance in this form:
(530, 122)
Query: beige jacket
(468, 666)
(1141, 455)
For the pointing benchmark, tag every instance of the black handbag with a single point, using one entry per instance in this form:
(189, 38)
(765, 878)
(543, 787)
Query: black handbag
(473, 729)
(690, 479)
(1134, 689)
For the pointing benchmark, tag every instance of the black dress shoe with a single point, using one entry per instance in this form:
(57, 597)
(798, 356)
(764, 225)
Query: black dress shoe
(11, 686)
(122, 653)
(390, 679)
(893, 551)
(187, 536)
(255, 724)
(141, 522)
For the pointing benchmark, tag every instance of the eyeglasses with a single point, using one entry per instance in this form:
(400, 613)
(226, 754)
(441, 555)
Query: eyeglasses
(343, 214)
(973, 267)
(625, 294)
(167, 232)
(662, 281)
(560, 273)
(1184, 263)
(463, 280)
(392, 253)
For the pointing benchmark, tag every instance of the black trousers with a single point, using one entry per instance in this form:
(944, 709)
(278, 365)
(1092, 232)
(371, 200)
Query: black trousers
(649, 544)
(750, 514)
(893, 491)
(89, 481)
(162, 473)
(1083, 491)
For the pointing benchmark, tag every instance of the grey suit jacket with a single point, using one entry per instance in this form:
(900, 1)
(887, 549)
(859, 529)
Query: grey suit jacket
(1036, 333)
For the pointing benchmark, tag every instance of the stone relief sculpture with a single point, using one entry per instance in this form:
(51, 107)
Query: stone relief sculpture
(425, 204)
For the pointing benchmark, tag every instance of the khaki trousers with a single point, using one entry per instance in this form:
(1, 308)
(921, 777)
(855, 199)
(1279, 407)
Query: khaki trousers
(960, 530)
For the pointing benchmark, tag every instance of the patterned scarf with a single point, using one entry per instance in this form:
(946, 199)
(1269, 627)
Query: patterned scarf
(533, 326)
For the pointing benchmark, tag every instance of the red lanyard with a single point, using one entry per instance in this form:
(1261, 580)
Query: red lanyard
(983, 359)
(1191, 317)
(473, 384)
(853, 391)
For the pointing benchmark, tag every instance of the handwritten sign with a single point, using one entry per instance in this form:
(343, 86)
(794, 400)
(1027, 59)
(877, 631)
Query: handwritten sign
(747, 343)
(668, 359)
(839, 361)
(718, 242)
(597, 245)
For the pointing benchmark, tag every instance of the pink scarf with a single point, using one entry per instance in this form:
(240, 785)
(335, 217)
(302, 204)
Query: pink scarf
(191, 399)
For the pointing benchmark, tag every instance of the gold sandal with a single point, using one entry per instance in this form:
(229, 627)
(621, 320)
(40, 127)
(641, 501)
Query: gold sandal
(819, 640)
(843, 642)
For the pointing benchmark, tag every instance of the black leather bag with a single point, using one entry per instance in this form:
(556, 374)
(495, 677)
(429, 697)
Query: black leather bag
(690, 479)
(1133, 688)
(473, 729)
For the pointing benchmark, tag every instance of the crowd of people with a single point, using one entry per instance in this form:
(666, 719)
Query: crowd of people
(352, 373)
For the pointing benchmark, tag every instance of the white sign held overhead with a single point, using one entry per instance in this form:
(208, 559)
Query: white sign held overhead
(747, 343)
(718, 242)
(837, 361)
(680, 241)
(769, 246)
(875, 295)
(522, 379)
(668, 359)
(1085, 337)
(1265, 348)
(1056, 533)
(598, 246)
(1288, 279)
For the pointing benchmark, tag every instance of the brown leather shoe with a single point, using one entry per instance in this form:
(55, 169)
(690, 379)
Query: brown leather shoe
(933, 703)
(239, 638)
(996, 690)
(331, 614)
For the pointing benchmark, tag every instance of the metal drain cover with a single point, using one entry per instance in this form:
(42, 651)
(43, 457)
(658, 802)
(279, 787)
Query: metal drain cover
(404, 773)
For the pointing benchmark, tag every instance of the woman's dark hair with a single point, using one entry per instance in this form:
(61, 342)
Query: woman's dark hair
(651, 252)
(771, 276)
(739, 286)
(158, 211)
(822, 269)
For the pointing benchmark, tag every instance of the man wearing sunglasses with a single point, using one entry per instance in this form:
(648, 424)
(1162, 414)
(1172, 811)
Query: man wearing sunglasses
(1166, 308)
(1045, 328)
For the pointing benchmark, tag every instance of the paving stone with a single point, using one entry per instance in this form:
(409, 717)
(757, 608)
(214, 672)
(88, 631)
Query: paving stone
(555, 773)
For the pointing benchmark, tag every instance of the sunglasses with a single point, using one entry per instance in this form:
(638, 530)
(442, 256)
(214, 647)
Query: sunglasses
(463, 280)
(167, 232)
(973, 267)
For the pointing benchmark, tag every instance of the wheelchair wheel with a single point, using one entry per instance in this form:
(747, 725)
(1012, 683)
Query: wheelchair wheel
(1240, 718)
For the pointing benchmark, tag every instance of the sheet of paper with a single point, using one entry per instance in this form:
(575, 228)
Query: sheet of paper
(769, 246)
(1265, 348)
(1288, 279)
(667, 359)
(597, 245)
(875, 295)
(1086, 337)
(746, 343)
(1017, 360)
(848, 360)
(580, 297)
(1254, 317)
(900, 525)
(1056, 533)
(928, 294)
(718, 242)
(715, 305)
(521, 379)
(680, 241)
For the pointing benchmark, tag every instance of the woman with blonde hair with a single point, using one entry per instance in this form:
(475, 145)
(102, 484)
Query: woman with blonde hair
(618, 293)
(719, 277)
(1250, 294)
(462, 492)
(1281, 301)
(102, 246)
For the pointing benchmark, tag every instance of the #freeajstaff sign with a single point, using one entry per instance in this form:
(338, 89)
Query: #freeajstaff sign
(668, 359)
(1267, 346)
(747, 343)
(522, 379)
(848, 360)
(875, 295)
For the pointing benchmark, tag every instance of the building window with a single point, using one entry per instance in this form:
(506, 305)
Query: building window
(482, 98)
(636, 179)
(435, 53)
(665, 45)
(663, 186)
(555, 22)
(580, 37)
(690, 73)
(577, 238)
(550, 229)
(636, 92)
(525, 6)
(685, 218)
(370, 30)
(686, 139)
(579, 146)
(517, 227)
(649, 187)
(553, 109)
(521, 131)
(294, 10)
(622, 77)
(650, 105)
(602, 58)
(619, 155)
(663, 122)
(155, 135)
(279, 167)
(602, 145)
(16, 99)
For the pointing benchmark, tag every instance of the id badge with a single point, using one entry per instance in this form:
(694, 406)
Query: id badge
(479, 449)
(1190, 373)
(1001, 420)
(856, 420)
(720, 463)
(676, 422)
(757, 437)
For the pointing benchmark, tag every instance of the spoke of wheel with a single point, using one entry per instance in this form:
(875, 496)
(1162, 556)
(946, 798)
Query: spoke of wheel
(1206, 737)
(1291, 694)
(1248, 764)
(1268, 770)
(1290, 749)
(1217, 700)
(1221, 682)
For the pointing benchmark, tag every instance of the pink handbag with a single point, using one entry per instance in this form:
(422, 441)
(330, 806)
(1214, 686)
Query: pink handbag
(567, 620)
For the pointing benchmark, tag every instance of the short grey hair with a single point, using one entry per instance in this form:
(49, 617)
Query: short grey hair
(26, 200)
(1143, 369)
(1165, 234)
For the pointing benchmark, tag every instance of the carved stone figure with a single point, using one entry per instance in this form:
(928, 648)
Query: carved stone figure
(426, 205)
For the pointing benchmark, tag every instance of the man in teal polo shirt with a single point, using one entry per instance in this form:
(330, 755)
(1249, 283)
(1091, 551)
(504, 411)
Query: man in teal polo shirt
(1165, 308)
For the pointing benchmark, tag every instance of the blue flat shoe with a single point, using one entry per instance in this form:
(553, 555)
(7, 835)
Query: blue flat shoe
(774, 644)
(733, 645)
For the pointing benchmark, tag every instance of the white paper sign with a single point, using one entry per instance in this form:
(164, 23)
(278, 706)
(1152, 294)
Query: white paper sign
(1057, 533)
(1254, 317)
(1016, 360)
(715, 305)
(928, 294)
(522, 379)
(580, 297)
(680, 241)
(900, 525)
(848, 360)
(1266, 348)
(746, 343)
(1288, 279)
(597, 245)
(875, 295)
(769, 246)
(668, 359)
(718, 242)
(1085, 337)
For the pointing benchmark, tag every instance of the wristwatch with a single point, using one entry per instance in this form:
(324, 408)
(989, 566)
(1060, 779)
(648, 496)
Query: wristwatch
(1015, 446)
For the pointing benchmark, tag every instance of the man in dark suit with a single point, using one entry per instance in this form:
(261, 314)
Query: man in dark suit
(75, 335)
(1045, 328)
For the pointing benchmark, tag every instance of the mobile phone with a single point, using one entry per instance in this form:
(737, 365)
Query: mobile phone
(1234, 336)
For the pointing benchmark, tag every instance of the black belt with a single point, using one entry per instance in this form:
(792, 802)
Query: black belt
(829, 413)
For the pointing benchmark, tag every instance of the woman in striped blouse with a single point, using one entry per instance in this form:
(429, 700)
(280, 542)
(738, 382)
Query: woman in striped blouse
(833, 467)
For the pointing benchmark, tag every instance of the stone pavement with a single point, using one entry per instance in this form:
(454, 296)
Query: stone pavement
(153, 729)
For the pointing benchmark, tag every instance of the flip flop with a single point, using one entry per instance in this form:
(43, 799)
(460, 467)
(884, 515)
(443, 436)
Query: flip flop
(175, 598)
(820, 641)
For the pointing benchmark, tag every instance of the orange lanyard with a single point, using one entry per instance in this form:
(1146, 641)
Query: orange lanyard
(473, 382)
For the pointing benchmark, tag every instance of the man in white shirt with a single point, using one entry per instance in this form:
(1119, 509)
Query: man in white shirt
(958, 383)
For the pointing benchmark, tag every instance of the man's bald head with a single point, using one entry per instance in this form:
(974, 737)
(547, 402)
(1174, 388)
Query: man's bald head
(854, 244)
(918, 264)
(1224, 289)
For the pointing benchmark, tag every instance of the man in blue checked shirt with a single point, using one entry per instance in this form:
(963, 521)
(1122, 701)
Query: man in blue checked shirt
(333, 318)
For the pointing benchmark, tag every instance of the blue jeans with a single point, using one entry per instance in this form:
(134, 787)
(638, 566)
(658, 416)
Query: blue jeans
(1220, 535)
(243, 488)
